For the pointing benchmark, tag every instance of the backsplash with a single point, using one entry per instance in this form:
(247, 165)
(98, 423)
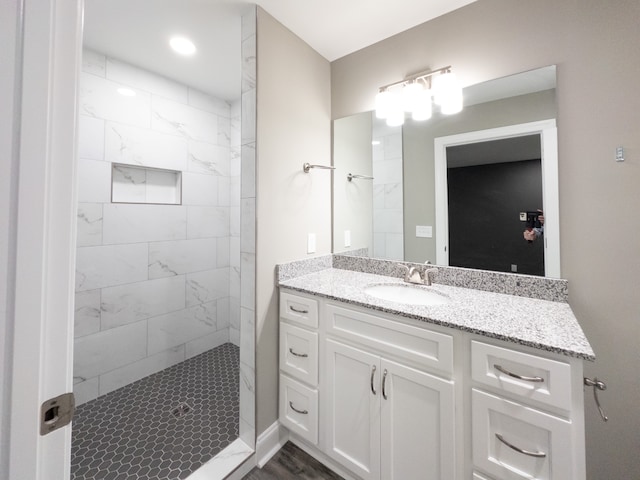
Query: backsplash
(542, 288)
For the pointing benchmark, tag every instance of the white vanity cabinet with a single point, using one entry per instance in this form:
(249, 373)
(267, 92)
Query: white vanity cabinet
(526, 415)
(298, 389)
(391, 398)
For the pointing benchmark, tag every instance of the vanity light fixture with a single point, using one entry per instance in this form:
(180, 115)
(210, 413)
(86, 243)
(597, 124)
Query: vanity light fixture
(182, 45)
(414, 95)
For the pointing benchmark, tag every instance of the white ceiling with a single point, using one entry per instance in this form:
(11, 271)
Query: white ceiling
(137, 31)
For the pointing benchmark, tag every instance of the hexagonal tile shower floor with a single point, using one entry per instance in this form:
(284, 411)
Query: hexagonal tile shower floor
(164, 426)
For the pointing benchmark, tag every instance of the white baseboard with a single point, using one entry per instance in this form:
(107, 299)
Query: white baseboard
(269, 442)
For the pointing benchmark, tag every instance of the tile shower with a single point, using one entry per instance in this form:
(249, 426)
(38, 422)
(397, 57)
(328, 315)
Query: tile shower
(154, 282)
(165, 265)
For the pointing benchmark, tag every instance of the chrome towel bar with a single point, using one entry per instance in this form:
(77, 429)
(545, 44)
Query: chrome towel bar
(307, 166)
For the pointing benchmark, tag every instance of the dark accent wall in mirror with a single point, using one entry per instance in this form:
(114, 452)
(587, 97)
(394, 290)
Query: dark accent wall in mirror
(402, 208)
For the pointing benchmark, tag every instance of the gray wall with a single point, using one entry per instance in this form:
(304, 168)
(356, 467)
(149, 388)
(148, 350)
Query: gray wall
(293, 127)
(419, 173)
(594, 44)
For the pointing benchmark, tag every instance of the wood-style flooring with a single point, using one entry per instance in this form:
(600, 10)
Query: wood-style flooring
(291, 463)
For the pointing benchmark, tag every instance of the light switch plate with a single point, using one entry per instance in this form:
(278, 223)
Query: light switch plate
(424, 231)
(347, 238)
(311, 243)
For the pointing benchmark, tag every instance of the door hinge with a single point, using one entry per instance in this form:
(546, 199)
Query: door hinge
(56, 413)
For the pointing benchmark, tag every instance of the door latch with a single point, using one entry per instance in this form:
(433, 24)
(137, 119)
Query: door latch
(56, 413)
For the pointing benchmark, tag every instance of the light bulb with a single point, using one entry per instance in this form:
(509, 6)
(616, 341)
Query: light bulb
(182, 45)
(127, 92)
(382, 103)
(453, 104)
(423, 109)
(411, 95)
(442, 85)
(395, 117)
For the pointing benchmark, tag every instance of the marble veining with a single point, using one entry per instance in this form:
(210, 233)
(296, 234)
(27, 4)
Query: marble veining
(542, 324)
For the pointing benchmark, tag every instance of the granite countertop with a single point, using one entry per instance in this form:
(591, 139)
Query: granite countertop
(542, 324)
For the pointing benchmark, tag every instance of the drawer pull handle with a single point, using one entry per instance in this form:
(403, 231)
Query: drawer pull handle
(301, 412)
(520, 450)
(298, 311)
(373, 372)
(301, 355)
(384, 384)
(519, 377)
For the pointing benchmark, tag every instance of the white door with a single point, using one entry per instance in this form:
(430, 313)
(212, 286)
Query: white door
(417, 422)
(352, 406)
(45, 234)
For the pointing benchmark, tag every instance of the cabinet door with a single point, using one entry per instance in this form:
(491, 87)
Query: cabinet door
(351, 402)
(417, 431)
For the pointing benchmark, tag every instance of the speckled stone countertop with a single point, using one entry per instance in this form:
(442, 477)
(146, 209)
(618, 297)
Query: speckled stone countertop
(542, 324)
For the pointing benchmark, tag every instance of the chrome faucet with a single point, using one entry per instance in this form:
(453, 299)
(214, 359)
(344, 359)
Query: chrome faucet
(413, 275)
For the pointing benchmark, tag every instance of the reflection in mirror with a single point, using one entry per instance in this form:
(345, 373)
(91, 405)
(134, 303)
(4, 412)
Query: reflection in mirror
(485, 182)
(519, 99)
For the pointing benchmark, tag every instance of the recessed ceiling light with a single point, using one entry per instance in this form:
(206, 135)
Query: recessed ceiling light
(127, 92)
(182, 45)
(375, 142)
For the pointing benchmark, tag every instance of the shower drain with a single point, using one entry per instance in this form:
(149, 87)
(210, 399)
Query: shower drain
(181, 410)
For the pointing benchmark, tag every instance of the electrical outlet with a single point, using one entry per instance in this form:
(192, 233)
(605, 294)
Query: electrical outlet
(311, 243)
(514, 268)
(523, 216)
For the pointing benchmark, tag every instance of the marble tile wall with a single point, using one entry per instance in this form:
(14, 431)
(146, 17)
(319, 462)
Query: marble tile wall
(155, 284)
(388, 239)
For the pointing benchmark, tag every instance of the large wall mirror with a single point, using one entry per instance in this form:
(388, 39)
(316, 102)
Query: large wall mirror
(459, 189)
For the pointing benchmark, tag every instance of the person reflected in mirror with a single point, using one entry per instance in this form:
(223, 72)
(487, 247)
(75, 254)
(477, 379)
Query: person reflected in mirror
(535, 226)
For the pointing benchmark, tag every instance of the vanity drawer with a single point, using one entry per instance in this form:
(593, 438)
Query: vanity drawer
(296, 308)
(512, 442)
(416, 345)
(299, 353)
(527, 376)
(299, 409)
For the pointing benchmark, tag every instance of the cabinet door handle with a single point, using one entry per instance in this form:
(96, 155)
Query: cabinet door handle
(301, 355)
(302, 412)
(373, 372)
(515, 375)
(384, 384)
(520, 450)
(298, 311)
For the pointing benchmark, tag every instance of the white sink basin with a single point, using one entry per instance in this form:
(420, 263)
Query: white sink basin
(407, 294)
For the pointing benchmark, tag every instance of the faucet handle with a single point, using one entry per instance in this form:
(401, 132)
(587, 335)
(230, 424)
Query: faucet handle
(427, 277)
(413, 275)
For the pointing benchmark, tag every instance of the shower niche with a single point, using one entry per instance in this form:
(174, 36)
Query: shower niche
(130, 184)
